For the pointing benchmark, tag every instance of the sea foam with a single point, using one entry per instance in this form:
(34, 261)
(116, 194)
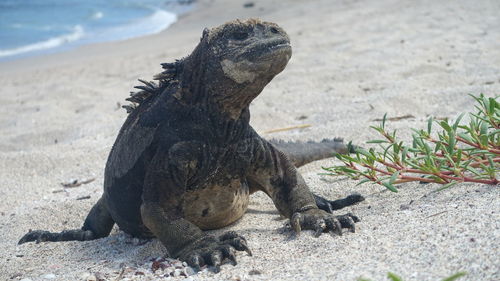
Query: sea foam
(77, 33)
(156, 22)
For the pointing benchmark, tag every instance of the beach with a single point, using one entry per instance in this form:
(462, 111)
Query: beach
(352, 62)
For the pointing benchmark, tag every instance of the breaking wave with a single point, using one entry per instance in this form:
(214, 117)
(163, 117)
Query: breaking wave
(152, 24)
(76, 34)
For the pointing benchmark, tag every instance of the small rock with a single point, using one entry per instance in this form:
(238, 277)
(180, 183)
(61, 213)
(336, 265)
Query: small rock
(404, 207)
(177, 272)
(84, 276)
(177, 264)
(188, 271)
(254, 272)
(49, 276)
(249, 4)
(16, 275)
(168, 271)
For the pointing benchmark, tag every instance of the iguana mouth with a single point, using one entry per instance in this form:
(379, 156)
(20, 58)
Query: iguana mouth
(273, 45)
(279, 46)
(268, 47)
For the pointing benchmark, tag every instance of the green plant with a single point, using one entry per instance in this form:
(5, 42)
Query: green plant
(460, 152)
(394, 277)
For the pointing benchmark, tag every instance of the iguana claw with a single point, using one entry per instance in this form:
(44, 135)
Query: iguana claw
(320, 221)
(214, 252)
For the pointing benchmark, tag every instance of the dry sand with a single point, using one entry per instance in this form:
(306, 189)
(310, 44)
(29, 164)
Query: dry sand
(353, 61)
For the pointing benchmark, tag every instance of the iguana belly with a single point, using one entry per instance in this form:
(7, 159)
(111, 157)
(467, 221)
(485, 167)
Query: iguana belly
(216, 206)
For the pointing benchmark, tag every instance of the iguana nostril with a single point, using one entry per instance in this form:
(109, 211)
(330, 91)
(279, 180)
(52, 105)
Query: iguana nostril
(274, 30)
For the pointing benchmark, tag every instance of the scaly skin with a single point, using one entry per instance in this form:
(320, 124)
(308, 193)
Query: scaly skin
(186, 158)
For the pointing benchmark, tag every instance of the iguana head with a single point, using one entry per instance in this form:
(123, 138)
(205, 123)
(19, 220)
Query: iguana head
(233, 63)
(250, 50)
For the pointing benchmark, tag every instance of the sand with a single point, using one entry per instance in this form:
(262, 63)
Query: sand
(353, 61)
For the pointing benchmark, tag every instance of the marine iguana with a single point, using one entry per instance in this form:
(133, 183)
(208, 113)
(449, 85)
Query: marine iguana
(187, 160)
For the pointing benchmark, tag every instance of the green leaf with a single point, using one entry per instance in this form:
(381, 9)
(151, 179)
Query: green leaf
(490, 160)
(448, 157)
(363, 181)
(413, 165)
(389, 186)
(427, 148)
(394, 177)
(429, 125)
(493, 105)
(457, 122)
(448, 185)
(413, 150)
(404, 154)
(451, 141)
(377, 141)
(459, 156)
(483, 134)
(465, 137)
(386, 150)
(383, 121)
(393, 277)
(455, 276)
(445, 125)
(364, 153)
(378, 129)
(479, 117)
(485, 102)
(347, 170)
(438, 147)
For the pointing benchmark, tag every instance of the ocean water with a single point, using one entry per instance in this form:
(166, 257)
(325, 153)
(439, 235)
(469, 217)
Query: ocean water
(31, 27)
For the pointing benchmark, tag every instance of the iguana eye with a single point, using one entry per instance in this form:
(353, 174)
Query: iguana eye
(240, 35)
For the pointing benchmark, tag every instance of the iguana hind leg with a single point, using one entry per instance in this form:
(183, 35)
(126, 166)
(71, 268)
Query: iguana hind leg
(331, 205)
(98, 224)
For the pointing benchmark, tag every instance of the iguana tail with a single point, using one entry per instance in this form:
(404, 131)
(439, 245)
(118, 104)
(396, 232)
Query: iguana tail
(301, 153)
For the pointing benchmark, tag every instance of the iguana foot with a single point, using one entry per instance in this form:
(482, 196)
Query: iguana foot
(330, 205)
(66, 235)
(213, 252)
(320, 221)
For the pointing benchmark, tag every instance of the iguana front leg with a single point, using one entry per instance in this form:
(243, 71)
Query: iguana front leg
(161, 211)
(275, 174)
(188, 243)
